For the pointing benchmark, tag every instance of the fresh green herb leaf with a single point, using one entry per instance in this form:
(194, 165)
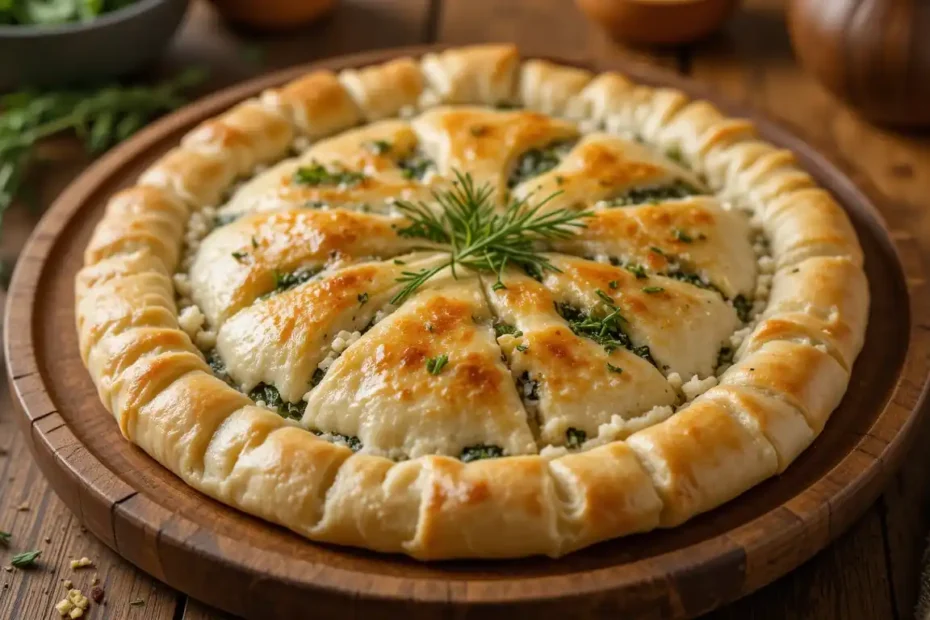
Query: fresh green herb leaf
(416, 166)
(501, 329)
(478, 236)
(535, 162)
(613, 368)
(674, 153)
(378, 147)
(614, 284)
(636, 270)
(434, 365)
(656, 250)
(316, 174)
(285, 281)
(522, 348)
(479, 452)
(240, 256)
(652, 290)
(397, 261)
(5, 538)
(682, 236)
(574, 438)
(26, 559)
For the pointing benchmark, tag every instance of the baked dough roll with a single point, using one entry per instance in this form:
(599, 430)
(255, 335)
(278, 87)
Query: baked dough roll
(804, 376)
(116, 266)
(823, 301)
(570, 383)
(280, 340)
(263, 252)
(692, 238)
(140, 218)
(642, 111)
(698, 128)
(493, 508)
(479, 74)
(316, 104)
(487, 144)
(249, 134)
(784, 426)
(553, 89)
(196, 178)
(428, 379)
(750, 173)
(702, 457)
(605, 170)
(381, 91)
(808, 223)
(122, 302)
(603, 493)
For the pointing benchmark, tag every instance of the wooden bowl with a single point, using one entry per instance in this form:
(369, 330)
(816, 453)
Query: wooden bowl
(254, 569)
(658, 22)
(874, 55)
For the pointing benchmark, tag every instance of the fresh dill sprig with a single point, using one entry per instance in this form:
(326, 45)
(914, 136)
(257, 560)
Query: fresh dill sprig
(481, 238)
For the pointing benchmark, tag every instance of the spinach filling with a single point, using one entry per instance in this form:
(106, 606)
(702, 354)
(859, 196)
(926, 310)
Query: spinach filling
(743, 308)
(287, 280)
(528, 388)
(270, 395)
(316, 174)
(416, 166)
(351, 441)
(480, 451)
(574, 437)
(218, 366)
(605, 330)
(653, 194)
(503, 329)
(535, 162)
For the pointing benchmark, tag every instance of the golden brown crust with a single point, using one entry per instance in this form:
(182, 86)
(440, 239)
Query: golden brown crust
(643, 464)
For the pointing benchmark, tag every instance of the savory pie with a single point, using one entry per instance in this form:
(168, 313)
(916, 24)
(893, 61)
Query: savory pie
(472, 306)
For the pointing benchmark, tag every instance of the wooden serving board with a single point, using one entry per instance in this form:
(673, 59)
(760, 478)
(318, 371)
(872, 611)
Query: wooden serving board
(251, 568)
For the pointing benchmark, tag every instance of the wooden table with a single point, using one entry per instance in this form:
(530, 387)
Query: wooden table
(869, 573)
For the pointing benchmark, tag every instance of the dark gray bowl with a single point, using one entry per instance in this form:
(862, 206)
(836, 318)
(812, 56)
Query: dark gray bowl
(115, 44)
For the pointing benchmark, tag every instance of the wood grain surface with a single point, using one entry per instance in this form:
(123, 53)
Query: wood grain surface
(869, 573)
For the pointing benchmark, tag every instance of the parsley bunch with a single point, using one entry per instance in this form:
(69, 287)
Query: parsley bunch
(481, 238)
(100, 117)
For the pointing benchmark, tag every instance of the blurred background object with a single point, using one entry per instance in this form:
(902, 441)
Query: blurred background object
(47, 49)
(873, 54)
(658, 22)
(273, 14)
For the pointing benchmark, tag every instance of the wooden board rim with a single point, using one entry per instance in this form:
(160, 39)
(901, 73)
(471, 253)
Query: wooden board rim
(851, 485)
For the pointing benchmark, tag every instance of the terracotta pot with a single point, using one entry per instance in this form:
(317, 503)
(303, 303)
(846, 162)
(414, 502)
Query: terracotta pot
(658, 22)
(873, 54)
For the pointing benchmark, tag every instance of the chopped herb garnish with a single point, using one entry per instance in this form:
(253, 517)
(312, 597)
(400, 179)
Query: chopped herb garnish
(240, 256)
(285, 281)
(498, 286)
(656, 250)
(574, 438)
(222, 219)
(522, 348)
(378, 147)
(652, 290)
(254, 243)
(318, 375)
(479, 236)
(270, 395)
(416, 166)
(606, 330)
(535, 162)
(607, 299)
(434, 365)
(674, 153)
(559, 180)
(315, 204)
(479, 452)
(362, 299)
(137, 602)
(397, 261)
(653, 194)
(682, 236)
(613, 368)
(743, 308)
(691, 278)
(5, 538)
(613, 284)
(636, 270)
(317, 174)
(501, 329)
(26, 559)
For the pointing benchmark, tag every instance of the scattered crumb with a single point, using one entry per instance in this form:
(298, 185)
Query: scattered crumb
(94, 580)
(22, 507)
(48, 539)
(76, 613)
(67, 584)
(78, 599)
(137, 603)
(96, 594)
(82, 563)
(8, 569)
(64, 607)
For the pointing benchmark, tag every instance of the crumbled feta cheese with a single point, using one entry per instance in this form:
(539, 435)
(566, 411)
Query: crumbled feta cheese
(206, 340)
(182, 284)
(76, 613)
(64, 607)
(82, 563)
(191, 320)
(674, 380)
(553, 452)
(697, 386)
(621, 428)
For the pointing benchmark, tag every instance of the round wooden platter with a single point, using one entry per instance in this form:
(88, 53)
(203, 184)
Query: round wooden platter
(251, 568)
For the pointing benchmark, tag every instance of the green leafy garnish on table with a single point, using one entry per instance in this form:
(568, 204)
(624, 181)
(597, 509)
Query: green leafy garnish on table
(481, 237)
(101, 117)
(56, 12)
(26, 559)
(5, 538)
